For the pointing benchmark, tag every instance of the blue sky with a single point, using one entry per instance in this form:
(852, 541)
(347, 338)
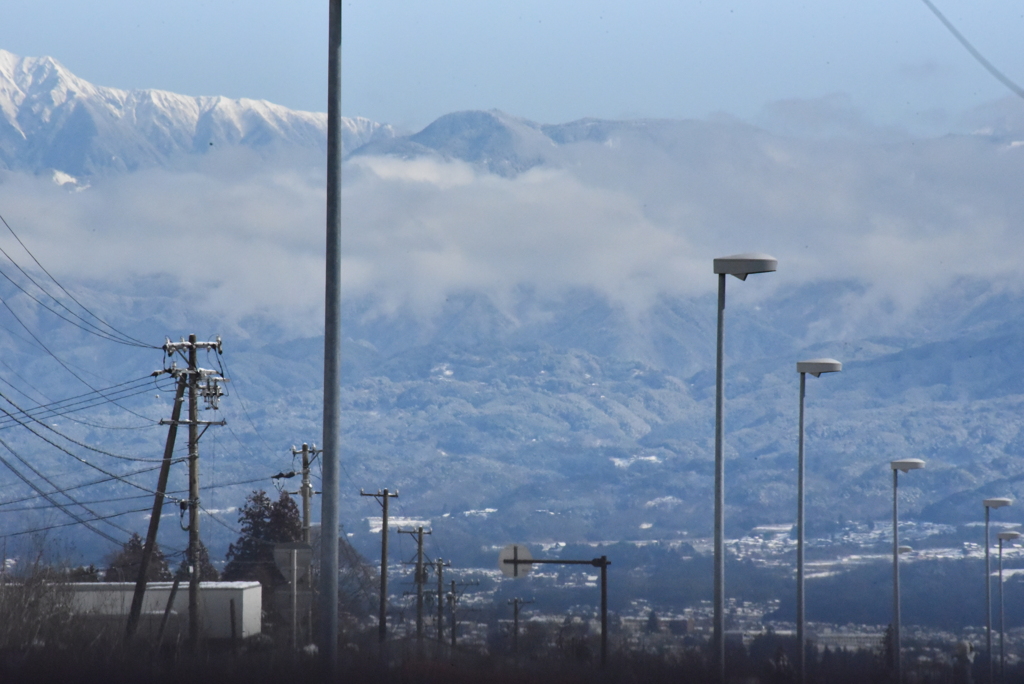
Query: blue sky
(409, 61)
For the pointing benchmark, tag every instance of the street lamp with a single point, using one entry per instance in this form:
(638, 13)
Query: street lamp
(739, 265)
(815, 367)
(997, 502)
(905, 465)
(1003, 536)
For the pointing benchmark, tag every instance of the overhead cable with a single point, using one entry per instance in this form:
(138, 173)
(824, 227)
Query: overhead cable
(989, 67)
(124, 337)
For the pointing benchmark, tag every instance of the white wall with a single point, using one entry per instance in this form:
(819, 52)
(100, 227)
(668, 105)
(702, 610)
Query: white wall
(115, 599)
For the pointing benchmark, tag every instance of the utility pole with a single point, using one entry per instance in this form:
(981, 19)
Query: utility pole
(453, 598)
(203, 382)
(516, 603)
(158, 505)
(451, 601)
(306, 488)
(420, 580)
(306, 492)
(440, 565)
(383, 496)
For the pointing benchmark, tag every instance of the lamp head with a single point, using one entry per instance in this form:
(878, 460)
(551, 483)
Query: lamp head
(905, 549)
(1008, 536)
(907, 464)
(742, 265)
(998, 502)
(818, 366)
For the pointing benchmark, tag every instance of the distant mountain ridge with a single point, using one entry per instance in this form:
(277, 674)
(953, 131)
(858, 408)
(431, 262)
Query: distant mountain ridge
(507, 145)
(52, 119)
(575, 417)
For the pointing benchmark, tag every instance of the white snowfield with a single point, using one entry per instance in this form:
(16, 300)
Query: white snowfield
(51, 118)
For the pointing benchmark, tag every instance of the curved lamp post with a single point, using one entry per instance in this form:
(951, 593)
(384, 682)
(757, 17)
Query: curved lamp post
(903, 465)
(815, 367)
(1003, 536)
(997, 502)
(739, 265)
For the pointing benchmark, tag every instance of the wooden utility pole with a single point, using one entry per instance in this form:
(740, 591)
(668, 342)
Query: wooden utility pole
(516, 603)
(154, 518)
(420, 579)
(440, 603)
(453, 599)
(451, 603)
(383, 496)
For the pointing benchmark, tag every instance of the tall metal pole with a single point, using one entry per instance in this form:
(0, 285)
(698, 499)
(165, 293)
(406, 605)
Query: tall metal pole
(193, 496)
(329, 515)
(719, 617)
(897, 658)
(800, 635)
(988, 602)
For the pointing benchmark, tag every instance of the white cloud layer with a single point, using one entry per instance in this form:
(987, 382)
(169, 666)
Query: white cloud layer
(230, 241)
(637, 217)
(634, 217)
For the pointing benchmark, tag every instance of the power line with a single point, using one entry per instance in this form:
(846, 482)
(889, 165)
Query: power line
(82, 460)
(101, 518)
(91, 329)
(64, 407)
(63, 436)
(56, 358)
(87, 503)
(226, 372)
(78, 486)
(224, 524)
(49, 498)
(48, 481)
(989, 67)
(125, 338)
(168, 495)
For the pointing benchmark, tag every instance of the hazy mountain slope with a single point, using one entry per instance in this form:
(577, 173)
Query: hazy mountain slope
(529, 310)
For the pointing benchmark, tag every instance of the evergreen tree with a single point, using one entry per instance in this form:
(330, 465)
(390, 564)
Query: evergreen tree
(264, 523)
(124, 565)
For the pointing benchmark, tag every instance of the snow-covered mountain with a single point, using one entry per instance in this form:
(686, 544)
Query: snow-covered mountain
(522, 329)
(52, 119)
